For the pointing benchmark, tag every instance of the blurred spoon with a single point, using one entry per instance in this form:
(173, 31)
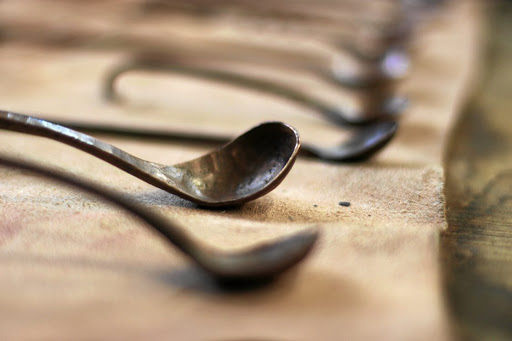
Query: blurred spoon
(371, 34)
(260, 262)
(372, 108)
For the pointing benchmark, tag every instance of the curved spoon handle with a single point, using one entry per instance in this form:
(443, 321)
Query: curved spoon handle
(174, 234)
(102, 150)
(231, 78)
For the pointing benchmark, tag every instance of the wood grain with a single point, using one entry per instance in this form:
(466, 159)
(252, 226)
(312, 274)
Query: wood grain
(476, 249)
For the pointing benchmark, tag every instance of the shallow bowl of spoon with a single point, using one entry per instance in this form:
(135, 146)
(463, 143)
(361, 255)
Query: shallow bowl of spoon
(363, 144)
(244, 169)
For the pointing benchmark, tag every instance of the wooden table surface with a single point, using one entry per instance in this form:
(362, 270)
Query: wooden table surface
(73, 266)
(476, 249)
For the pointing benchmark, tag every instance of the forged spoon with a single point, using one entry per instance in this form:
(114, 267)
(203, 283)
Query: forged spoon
(372, 109)
(36, 32)
(260, 262)
(246, 168)
(363, 32)
(363, 143)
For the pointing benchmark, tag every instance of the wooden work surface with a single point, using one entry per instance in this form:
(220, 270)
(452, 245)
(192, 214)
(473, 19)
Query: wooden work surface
(476, 249)
(74, 267)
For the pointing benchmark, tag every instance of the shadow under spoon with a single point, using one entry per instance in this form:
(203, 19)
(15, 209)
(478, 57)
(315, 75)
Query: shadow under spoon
(246, 168)
(260, 262)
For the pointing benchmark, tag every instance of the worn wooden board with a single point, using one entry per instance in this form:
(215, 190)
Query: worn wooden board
(476, 249)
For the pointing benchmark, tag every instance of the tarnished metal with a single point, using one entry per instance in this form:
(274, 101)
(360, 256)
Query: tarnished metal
(259, 262)
(372, 105)
(246, 168)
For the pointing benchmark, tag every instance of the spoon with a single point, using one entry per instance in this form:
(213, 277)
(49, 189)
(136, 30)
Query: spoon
(248, 167)
(346, 26)
(35, 30)
(371, 41)
(362, 144)
(374, 108)
(260, 262)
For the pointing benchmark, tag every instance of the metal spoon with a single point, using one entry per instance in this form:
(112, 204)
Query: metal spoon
(255, 263)
(245, 169)
(362, 144)
(345, 26)
(374, 108)
(375, 42)
(34, 31)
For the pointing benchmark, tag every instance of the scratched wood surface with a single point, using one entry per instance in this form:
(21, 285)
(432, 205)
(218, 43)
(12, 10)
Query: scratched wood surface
(476, 249)
(73, 267)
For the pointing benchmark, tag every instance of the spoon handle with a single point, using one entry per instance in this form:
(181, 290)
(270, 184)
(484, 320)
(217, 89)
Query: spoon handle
(168, 229)
(104, 151)
(231, 78)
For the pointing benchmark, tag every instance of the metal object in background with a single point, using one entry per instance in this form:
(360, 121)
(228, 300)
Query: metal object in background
(373, 106)
(366, 30)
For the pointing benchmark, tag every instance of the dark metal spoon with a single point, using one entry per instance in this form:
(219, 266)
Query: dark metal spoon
(364, 142)
(373, 107)
(359, 30)
(37, 33)
(259, 262)
(248, 167)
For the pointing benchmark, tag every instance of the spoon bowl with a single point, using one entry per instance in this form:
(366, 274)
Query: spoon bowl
(363, 144)
(364, 37)
(246, 168)
(261, 262)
